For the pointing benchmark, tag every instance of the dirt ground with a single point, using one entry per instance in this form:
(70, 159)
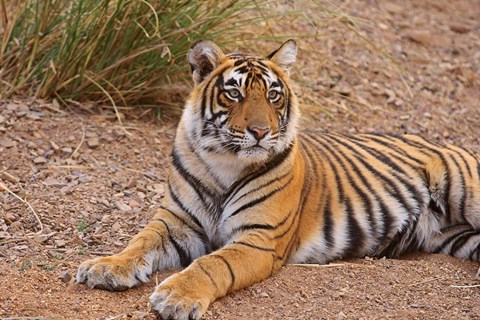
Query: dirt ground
(92, 183)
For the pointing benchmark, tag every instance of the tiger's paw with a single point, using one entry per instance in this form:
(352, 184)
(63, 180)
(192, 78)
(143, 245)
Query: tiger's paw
(113, 273)
(178, 297)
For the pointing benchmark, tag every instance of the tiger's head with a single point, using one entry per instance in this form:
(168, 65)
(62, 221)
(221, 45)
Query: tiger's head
(241, 104)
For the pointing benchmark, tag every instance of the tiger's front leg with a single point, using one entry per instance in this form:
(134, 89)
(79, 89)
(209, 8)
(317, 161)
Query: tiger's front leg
(166, 242)
(187, 294)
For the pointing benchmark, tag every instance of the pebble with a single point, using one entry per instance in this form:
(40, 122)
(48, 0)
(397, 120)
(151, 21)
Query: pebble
(7, 176)
(65, 277)
(122, 206)
(419, 36)
(457, 27)
(40, 160)
(131, 183)
(116, 226)
(134, 203)
(40, 238)
(10, 217)
(93, 142)
(392, 7)
(405, 117)
(2, 119)
(67, 150)
(7, 143)
(60, 243)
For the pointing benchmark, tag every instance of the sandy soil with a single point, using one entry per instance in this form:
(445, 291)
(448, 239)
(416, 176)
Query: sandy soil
(93, 186)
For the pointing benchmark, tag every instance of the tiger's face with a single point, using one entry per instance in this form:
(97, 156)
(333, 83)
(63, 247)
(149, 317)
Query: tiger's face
(242, 104)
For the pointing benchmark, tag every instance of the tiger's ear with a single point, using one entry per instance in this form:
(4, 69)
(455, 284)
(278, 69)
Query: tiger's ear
(286, 55)
(204, 56)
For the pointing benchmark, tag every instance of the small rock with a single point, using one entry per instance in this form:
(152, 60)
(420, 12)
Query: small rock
(344, 89)
(419, 36)
(405, 117)
(134, 203)
(398, 103)
(392, 7)
(427, 115)
(40, 238)
(4, 235)
(7, 176)
(132, 183)
(2, 119)
(54, 145)
(383, 26)
(122, 206)
(116, 226)
(52, 182)
(7, 143)
(93, 142)
(69, 187)
(10, 217)
(60, 243)
(457, 27)
(67, 150)
(263, 295)
(40, 160)
(104, 202)
(341, 315)
(65, 277)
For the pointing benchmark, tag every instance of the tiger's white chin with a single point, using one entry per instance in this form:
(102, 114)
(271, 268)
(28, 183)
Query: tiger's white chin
(254, 155)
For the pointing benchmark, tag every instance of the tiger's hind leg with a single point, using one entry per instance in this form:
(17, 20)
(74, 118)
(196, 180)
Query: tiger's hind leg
(455, 204)
(460, 241)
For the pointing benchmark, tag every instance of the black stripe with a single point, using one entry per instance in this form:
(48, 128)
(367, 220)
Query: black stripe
(339, 185)
(467, 166)
(460, 241)
(392, 146)
(232, 275)
(366, 200)
(184, 256)
(275, 179)
(254, 246)
(261, 199)
(445, 165)
(177, 201)
(273, 164)
(396, 194)
(162, 241)
(203, 192)
(451, 238)
(396, 169)
(327, 213)
(208, 275)
(462, 182)
(356, 236)
(328, 224)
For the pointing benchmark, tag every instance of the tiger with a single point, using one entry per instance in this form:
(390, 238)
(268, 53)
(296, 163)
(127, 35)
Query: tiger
(249, 192)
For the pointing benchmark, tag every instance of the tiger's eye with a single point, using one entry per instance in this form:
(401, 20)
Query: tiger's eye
(273, 95)
(233, 93)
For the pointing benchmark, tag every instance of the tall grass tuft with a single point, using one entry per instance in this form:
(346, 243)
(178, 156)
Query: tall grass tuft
(124, 51)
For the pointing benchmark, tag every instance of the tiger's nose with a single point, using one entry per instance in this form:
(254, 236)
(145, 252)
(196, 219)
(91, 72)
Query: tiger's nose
(258, 133)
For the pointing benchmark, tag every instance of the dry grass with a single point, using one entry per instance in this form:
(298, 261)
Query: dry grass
(117, 51)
